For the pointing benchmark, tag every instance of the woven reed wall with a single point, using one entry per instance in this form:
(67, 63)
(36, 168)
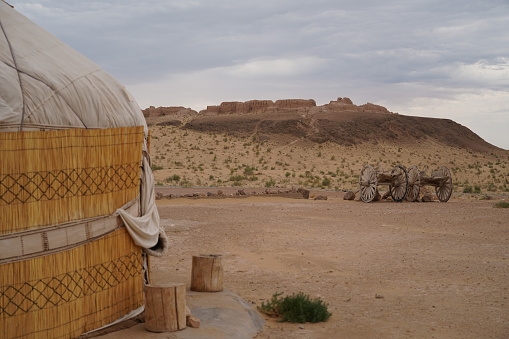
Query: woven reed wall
(66, 294)
(50, 177)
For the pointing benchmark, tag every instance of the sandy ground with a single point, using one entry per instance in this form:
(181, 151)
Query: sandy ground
(387, 270)
(190, 159)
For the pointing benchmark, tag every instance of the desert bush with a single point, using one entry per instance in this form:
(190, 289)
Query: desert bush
(174, 177)
(468, 189)
(249, 170)
(296, 308)
(237, 178)
(156, 167)
(326, 182)
(270, 183)
(185, 182)
(502, 204)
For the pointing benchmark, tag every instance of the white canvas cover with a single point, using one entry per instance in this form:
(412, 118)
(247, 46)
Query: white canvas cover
(45, 85)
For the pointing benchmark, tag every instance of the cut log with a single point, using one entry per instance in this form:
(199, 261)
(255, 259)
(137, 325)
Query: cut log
(207, 273)
(165, 307)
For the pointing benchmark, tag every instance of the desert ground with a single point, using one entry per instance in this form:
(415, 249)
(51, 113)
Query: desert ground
(386, 269)
(192, 159)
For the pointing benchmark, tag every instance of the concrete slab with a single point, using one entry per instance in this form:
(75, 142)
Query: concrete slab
(223, 315)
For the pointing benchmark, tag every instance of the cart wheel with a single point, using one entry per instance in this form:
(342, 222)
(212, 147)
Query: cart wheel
(444, 190)
(399, 187)
(414, 183)
(368, 183)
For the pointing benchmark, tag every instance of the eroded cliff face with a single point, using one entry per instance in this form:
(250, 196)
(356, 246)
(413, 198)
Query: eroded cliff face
(345, 104)
(237, 107)
(154, 112)
(260, 106)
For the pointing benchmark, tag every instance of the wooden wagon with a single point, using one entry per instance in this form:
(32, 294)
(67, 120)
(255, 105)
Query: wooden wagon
(370, 178)
(441, 179)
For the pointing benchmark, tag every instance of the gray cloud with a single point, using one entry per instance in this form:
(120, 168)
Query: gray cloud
(412, 56)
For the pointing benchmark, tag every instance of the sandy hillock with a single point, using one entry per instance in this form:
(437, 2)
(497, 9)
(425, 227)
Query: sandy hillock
(296, 143)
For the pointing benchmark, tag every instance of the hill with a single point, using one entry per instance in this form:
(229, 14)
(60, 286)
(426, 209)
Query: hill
(294, 142)
(340, 122)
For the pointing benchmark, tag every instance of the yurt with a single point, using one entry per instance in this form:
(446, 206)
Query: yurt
(77, 206)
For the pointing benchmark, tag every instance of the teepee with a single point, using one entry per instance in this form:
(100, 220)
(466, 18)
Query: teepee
(77, 210)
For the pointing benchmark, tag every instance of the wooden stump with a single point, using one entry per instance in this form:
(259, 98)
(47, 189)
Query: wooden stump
(207, 273)
(165, 307)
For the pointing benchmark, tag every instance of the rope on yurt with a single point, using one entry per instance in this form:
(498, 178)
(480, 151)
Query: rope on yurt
(17, 71)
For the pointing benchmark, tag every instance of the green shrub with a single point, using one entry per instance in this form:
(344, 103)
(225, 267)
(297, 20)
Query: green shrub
(185, 183)
(249, 170)
(270, 183)
(237, 178)
(502, 204)
(156, 167)
(326, 182)
(297, 308)
(468, 189)
(174, 177)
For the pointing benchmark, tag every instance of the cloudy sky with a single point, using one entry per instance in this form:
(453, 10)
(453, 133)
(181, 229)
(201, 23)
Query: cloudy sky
(432, 58)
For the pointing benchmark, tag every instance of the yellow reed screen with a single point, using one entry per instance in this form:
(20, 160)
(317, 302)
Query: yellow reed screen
(66, 294)
(50, 177)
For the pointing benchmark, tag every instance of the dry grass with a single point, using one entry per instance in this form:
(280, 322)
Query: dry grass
(189, 158)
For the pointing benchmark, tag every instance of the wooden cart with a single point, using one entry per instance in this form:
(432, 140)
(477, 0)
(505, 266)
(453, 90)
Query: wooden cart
(370, 178)
(441, 179)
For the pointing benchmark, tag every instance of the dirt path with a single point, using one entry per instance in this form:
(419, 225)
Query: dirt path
(387, 270)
